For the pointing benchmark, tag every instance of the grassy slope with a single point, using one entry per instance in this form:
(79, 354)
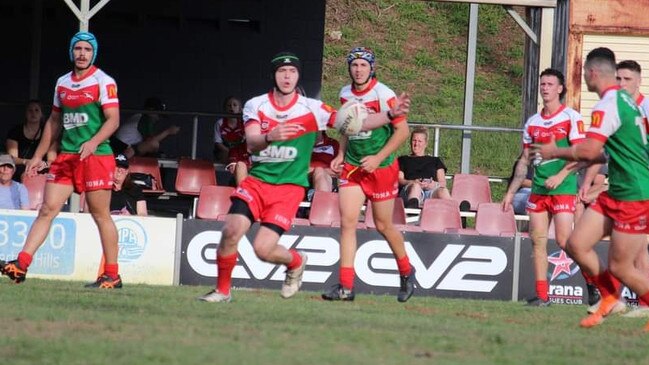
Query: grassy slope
(54, 322)
(421, 48)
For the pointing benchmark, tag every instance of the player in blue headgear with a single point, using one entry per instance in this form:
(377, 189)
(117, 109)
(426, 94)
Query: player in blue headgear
(86, 37)
(362, 53)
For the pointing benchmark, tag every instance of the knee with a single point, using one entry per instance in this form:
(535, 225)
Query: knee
(230, 237)
(263, 252)
(382, 226)
(241, 167)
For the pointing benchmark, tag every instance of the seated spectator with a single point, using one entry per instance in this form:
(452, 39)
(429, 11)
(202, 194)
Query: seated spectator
(13, 195)
(320, 172)
(138, 131)
(230, 141)
(519, 203)
(23, 139)
(127, 197)
(421, 176)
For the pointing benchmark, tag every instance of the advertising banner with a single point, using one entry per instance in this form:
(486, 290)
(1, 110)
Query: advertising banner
(447, 265)
(72, 250)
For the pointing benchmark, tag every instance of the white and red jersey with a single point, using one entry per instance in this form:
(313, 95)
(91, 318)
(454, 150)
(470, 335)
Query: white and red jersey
(81, 102)
(567, 127)
(232, 137)
(643, 103)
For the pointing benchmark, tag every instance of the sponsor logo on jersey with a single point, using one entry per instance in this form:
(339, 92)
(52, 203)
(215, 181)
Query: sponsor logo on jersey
(111, 90)
(581, 128)
(74, 120)
(597, 118)
(278, 153)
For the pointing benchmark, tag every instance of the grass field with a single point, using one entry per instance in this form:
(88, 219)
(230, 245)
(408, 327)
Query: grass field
(54, 322)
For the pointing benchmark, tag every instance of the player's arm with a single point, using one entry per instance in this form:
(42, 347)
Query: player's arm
(398, 137)
(337, 162)
(589, 150)
(281, 132)
(52, 125)
(400, 109)
(556, 180)
(103, 134)
(520, 173)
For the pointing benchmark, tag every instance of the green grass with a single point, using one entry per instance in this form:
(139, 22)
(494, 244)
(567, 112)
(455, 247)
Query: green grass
(54, 322)
(421, 48)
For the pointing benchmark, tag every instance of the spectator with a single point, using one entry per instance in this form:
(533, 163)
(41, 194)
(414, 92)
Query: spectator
(127, 197)
(421, 176)
(23, 139)
(230, 141)
(320, 172)
(13, 195)
(139, 130)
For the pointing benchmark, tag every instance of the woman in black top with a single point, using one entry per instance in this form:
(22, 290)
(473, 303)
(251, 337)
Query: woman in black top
(127, 197)
(23, 139)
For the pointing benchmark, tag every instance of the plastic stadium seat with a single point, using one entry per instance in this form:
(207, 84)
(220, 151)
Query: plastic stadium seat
(193, 175)
(439, 215)
(35, 189)
(325, 211)
(398, 214)
(147, 165)
(214, 202)
(473, 188)
(490, 220)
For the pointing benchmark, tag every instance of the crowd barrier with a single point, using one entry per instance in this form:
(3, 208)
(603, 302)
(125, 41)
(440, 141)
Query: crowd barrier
(177, 251)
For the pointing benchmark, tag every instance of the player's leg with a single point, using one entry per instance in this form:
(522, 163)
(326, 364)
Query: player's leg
(382, 212)
(351, 199)
(99, 207)
(539, 223)
(237, 223)
(53, 200)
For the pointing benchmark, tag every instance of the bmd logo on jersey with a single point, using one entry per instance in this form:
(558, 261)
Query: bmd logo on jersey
(132, 240)
(279, 152)
(73, 120)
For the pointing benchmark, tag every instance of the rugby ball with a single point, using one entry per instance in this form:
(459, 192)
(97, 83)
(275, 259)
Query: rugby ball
(350, 118)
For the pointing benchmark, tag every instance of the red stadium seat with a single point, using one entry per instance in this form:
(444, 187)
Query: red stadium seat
(473, 188)
(35, 189)
(439, 215)
(193, 175)
(490, 220)
(214, 202)
(325, 210)
(398, 214)
(147, 165)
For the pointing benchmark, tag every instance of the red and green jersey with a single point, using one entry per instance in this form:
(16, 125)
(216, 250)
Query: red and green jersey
(81, 102)
(567, 127)
(618, 122)
(286, 162)
(377, 98)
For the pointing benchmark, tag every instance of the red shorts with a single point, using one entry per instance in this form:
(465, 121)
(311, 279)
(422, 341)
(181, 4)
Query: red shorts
(553, 204)
(95, 172)
(380, 185)
(627, 216)
(269, 203)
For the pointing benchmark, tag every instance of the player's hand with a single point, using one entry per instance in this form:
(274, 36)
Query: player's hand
(552, 182)
(583, 194)
(33, 166)
(547, 150)
(336, 164)
(285, 131)
(507, 202)
(174, 129)
(402, 106)
(87, 148)
(370, 163)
